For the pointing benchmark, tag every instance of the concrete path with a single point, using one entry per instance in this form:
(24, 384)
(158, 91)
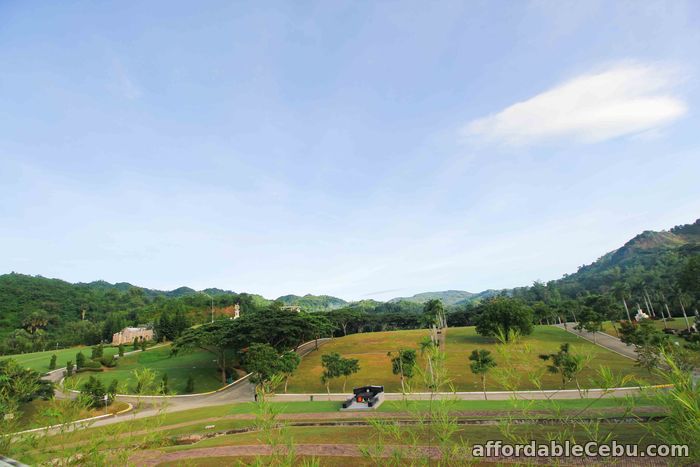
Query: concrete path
(602, 339)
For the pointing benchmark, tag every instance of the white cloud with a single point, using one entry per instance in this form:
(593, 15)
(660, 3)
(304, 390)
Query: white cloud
(622, 100)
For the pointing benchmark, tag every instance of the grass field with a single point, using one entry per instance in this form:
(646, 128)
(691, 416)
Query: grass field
(634, 434)
(676, 323)
(375, 367)
(40, 413)
(39, 361)
(200, 364)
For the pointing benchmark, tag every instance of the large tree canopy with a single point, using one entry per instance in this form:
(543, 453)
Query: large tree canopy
(500, 316)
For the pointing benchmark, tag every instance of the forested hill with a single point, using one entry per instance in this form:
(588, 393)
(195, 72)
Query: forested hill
(313, 302)
(651, 259)
(448, 297)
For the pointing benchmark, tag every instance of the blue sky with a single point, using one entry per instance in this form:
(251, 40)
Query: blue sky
(359, 149)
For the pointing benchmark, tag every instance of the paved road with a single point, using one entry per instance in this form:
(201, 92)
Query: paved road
(604, 340)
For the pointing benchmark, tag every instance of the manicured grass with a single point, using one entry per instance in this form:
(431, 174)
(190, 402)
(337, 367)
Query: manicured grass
(200, 364)
(39, 361)
(194, 420)
(469, 434)
(676, 323)
(375, 367)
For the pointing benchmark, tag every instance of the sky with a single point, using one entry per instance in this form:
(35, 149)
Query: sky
(363, 149)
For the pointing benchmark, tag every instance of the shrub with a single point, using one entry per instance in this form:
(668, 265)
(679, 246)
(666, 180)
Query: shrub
(97, 352)
(90, 365)
(109, 362)
(189, 388)
(52, 363)
(69, 368)
(79, 360)
(121, 350)
(95, 391)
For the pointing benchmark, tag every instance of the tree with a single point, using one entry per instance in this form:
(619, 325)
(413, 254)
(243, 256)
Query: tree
(564, 363)
(282, 329)
(164, 328)
(648, 342)
(214, 337)
(21, 384)
(189, 387)
(121, 350)
(404, 365)
(94, 391)
(590, 321)
(263, 362)
(69, 368)
(434, 312)
(481, 363)
(343, 317)
(79, 360)
(143, 345)
(332, 364)
(318, 326)
(97, 352)
(179, 323)
(136, 343)
(288, 363)
(52, 363)
(502, 316)
(36, 320)
(349, 366)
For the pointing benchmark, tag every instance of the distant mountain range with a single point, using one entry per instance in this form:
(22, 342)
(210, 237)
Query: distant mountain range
(650, 250)
(314, 302)
(448, 297)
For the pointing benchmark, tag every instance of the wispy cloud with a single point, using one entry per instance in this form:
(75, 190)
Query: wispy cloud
(621, 100)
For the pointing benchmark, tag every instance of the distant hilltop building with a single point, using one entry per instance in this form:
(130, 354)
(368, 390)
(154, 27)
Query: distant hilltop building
(127, 335)
(292, 308)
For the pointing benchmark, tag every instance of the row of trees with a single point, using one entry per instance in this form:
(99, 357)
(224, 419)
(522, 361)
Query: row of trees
(231, 340)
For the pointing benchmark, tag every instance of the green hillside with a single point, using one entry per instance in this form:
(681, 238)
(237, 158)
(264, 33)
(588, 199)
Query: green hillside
(313, 302)
(448, 297)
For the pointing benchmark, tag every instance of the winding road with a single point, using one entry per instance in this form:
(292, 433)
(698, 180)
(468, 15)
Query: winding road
(243, 391)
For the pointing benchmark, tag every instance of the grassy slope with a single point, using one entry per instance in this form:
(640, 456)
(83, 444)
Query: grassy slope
(199, 364)
(39, 361)
(40, 413)
(375, 367)
(633, 434)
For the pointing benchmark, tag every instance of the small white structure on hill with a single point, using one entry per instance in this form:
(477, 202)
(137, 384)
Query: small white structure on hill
(127, 335)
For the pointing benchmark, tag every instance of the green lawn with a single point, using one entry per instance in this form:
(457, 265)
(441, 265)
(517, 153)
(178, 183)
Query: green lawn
(39, 413)
(470, 434)
(200, 364)
(522, 358)
(39, 361)
(676, 323)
